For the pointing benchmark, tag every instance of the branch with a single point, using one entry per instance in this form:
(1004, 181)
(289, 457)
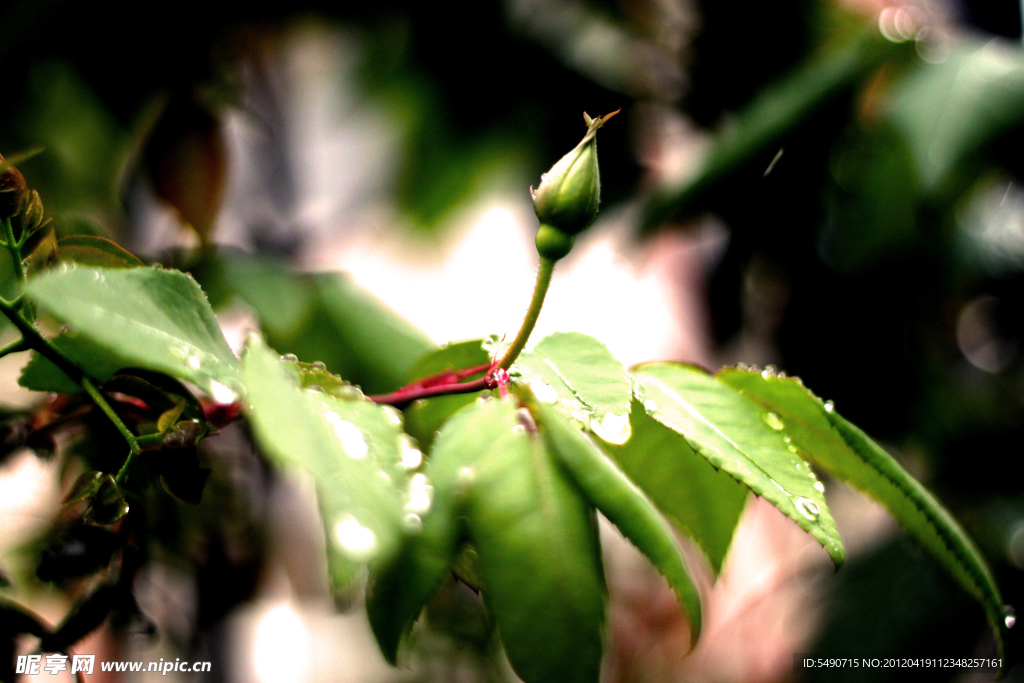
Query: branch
(407, 395)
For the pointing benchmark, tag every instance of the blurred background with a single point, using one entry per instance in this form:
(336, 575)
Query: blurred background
(834, 187)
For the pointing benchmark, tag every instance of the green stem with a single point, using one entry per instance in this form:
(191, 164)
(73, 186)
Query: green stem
(108, 410)
(547, 267)
(15, 248)
(33, 338)
(14, 347)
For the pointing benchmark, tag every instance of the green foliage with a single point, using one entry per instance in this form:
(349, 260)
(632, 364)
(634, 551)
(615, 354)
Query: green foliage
(707, 509)
(155, 318)
(737, 436)
(346, 446)
(580, 377)
(609, 490)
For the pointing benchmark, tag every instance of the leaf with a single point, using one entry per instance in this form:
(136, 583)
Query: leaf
(424, 418)
(539, 555)
(398, 593)
(610, 491)
(843, 450)
(40, 374)
(87, 484)
(108, 504)
(702, 502)
(328, 318)
(98, 252)
(737, 436)
(385, 344)
(952, 109)
(351, 449)
(157, 319)
(581, 378)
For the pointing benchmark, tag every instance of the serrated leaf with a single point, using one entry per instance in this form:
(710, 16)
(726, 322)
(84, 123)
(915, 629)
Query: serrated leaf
(399, 591)
(843, 450)
(424, 418)
(157, 319)
(351, 449)
(702, 502)
(539, 555)
(98, 252)
(582, 379)
(738, 436)
(610, 491)
(40, 374)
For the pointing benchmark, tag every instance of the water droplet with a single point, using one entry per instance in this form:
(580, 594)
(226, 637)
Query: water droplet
(412, 457)
(639, 389)
(1011, 616)
(775, 422)
(421, 494)
(829, 406)
(413, 523)
(320, 365)
(769, 371)
(819, 487)
(518, 429)
(612, 428)
(352, 441)
(545, 393)
(792, 449)
(355, 540)
(650, 405)
(290, 358)
(394, 415)
(808, 508)
(221, 393)
(466, 475)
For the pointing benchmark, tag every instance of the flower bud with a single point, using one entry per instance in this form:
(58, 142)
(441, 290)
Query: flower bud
(13, 191)
(570, 192)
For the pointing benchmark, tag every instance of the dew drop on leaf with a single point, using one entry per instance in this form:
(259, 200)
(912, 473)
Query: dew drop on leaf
(420, 494)
(394, 415)
(412, 457)
(769, 372)
(808, 508)
(612, 428)
(355, 540)
(830, 406)
(1010, 618)
(819, 487)
(290, 358)
(545, 393)
(413, 523)
(650, 405)
(221, 393)
(774, 421)
(352, 441)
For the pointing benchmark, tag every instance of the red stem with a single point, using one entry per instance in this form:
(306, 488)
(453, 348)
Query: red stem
(414, 392)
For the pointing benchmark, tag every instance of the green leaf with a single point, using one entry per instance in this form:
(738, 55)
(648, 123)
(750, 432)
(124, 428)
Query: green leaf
(88, 250)
(351, 449)
(539, 555)
(328, 318)
(157, 319)
(950, 110)
(738, 436)
(399, 591)
(582, 379)
(702, 502)
(609, 490)
(40, 374)
(424, 418)
(843, 450)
